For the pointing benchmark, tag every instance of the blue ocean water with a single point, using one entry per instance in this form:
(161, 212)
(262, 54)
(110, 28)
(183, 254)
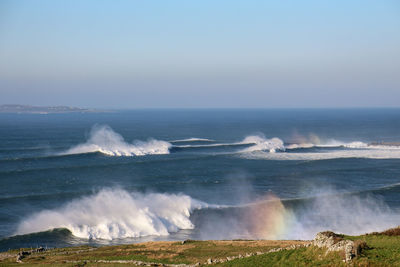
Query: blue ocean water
(138, 175)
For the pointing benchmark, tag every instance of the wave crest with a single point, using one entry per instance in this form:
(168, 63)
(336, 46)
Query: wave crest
(115, 213)
(104, 140)
(262, 144)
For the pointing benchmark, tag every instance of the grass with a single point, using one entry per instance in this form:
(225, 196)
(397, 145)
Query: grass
(160, 252)
(310, 256)
(383, 250)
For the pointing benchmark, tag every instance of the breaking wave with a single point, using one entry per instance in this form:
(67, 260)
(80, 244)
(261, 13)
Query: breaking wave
(264, 148)
(260, 147)
(261, 144)
(115, 213)
(104, 140)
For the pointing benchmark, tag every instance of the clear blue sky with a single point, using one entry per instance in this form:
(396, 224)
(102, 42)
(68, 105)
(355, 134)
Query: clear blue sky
(135, 54)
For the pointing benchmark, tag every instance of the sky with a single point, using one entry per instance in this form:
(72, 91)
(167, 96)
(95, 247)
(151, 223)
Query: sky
(200, 54)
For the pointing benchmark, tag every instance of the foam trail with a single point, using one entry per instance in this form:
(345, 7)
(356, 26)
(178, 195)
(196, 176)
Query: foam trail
(111, 214)
(209, 145)
(103, 139)
(330, 144)
(315, 141)
(258, 142)
(354, 153)
(192, 139)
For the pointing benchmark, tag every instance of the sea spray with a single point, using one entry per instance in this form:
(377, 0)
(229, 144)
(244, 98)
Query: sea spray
(329, 210)
(272, 218)
(345, 213)
(115, 213)
(268, 218)
(104, 140)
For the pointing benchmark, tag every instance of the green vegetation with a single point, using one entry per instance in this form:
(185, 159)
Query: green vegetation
(310, 256)
(383, 249)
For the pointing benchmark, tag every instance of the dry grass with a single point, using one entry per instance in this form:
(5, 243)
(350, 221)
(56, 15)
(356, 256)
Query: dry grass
(390, 232)
(162, 252)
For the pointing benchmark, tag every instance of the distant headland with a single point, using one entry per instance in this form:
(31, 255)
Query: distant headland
(28, 109)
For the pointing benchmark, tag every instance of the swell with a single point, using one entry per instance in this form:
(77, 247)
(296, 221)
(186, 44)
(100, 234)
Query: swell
(98, 164)
(13, 198)
(58, 237)
(104, 140)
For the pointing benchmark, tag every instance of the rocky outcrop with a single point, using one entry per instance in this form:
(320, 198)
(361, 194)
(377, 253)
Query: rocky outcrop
(22, 254)
(335, 242)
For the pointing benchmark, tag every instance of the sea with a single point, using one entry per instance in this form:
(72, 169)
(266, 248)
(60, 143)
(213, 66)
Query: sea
(130, 176)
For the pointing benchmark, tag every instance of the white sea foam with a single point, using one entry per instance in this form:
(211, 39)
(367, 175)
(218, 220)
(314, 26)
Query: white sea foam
(262, 144)
(115, 213)
(301, 145)
(336, 143)
(103, 139)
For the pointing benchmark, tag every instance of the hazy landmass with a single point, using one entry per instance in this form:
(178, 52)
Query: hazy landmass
(44, 109)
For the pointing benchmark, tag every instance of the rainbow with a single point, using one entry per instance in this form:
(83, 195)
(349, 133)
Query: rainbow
(268, 218)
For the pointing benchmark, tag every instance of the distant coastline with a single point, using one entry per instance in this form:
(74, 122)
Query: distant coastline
(28, 109)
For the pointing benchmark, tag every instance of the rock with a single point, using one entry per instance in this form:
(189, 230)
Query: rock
(348, 251)
(326, 239)
(335, 242)
(19, 258)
